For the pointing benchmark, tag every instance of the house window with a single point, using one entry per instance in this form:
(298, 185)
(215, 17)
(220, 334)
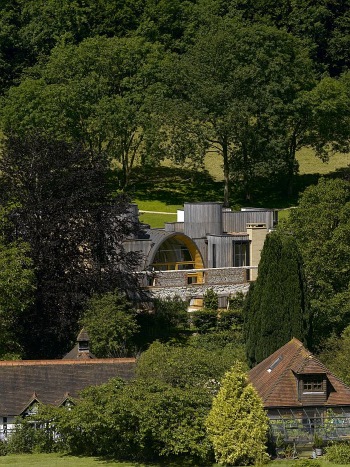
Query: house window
(192, 279)
(313, 384)
(240, 254)
(214, 255)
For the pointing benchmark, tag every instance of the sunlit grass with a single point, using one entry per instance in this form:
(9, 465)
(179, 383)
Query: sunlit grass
(310, 164)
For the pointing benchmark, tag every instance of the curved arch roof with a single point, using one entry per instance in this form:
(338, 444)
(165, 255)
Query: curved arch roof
(158, 236)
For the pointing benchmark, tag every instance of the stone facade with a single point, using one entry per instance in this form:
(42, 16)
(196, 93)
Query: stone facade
(193, 291)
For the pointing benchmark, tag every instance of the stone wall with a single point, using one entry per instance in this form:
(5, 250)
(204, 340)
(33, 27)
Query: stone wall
(214, 276)
(197, 290)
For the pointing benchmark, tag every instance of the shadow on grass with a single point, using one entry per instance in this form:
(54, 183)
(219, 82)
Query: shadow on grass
(174, 185)
(177, 186)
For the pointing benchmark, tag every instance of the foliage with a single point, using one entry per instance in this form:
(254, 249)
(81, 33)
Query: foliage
(210, 300)
(184, 367)
(320, 225)
(277, 305)
(318, 441)
(237, 424)
(3, 448)
(339, 453)
(142, 420)
(22, 440)
(335, 355)
(111, 324)
(171, 313)
(321, 25)
(204, 320)
(305, 463)
(235, 94)
(17, 288)
(97, 93)
(168, 320)
(74, 231)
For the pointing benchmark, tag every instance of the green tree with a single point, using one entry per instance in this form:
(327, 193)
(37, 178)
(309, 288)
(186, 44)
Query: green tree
(144, 420)
(237, 424)
(59, 203)
(232, 89)
(335, 354)
(17, 288)
(111, 324)
(184, 367)
(322, 25)
(320, 225)
(98, 94)
(211, 300)
(277, 306)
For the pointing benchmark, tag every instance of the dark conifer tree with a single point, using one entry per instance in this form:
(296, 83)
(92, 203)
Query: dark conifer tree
(62, 207)
(276, 307)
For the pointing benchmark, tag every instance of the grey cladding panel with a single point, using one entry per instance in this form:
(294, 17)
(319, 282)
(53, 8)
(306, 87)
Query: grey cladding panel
(237, 221)
(201, 219)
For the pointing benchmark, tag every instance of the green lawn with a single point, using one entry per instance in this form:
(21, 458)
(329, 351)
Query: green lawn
(59, 460)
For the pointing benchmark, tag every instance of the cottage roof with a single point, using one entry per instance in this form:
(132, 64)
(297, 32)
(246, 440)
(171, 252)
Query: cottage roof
(275, 378)
(51, 380)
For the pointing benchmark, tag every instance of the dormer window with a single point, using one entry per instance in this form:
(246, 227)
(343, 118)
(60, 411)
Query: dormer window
(313, 388)
(313, 384)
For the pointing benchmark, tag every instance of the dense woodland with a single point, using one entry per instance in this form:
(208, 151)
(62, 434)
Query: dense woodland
(93, 92)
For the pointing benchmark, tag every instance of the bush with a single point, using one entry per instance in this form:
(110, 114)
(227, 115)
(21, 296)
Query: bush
(204, 320)
(339, 453)
(3, 448)
(210, 300)
(22, 440)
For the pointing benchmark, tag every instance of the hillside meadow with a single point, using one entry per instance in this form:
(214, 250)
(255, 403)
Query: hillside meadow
(162, 191)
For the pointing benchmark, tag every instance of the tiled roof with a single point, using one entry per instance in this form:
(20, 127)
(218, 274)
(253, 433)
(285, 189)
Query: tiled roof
(275, 378)
(76, 354)
(49, 381)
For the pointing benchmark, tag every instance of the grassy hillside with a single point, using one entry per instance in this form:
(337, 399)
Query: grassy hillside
(166, 188)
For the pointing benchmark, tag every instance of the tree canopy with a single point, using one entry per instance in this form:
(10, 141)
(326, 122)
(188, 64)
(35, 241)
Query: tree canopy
(58, 201)
(320, 225)
(237, 424)
(277, 306)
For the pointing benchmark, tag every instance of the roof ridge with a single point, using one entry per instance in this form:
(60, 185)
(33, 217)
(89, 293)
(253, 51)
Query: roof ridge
(66, 362)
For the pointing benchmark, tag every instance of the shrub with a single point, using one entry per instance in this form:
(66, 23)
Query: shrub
(22, 440)
(339, 453)
(204, 320)
(210, 300)
(3, 448)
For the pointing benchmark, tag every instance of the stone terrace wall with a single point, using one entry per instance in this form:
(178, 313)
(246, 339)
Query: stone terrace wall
(197, 290)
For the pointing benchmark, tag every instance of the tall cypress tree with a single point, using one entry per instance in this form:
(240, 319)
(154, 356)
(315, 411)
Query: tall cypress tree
(276, 308)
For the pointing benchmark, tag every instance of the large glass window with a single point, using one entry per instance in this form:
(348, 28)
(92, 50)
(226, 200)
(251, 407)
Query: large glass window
(173, 254)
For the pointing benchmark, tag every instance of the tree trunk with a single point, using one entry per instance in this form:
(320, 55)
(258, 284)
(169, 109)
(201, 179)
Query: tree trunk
(226, 173)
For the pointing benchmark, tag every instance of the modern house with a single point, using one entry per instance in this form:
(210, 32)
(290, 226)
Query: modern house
(209, 246)
(24, 384)
(301, 396)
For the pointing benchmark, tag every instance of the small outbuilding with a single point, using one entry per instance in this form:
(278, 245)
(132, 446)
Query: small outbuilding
(302, 397)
